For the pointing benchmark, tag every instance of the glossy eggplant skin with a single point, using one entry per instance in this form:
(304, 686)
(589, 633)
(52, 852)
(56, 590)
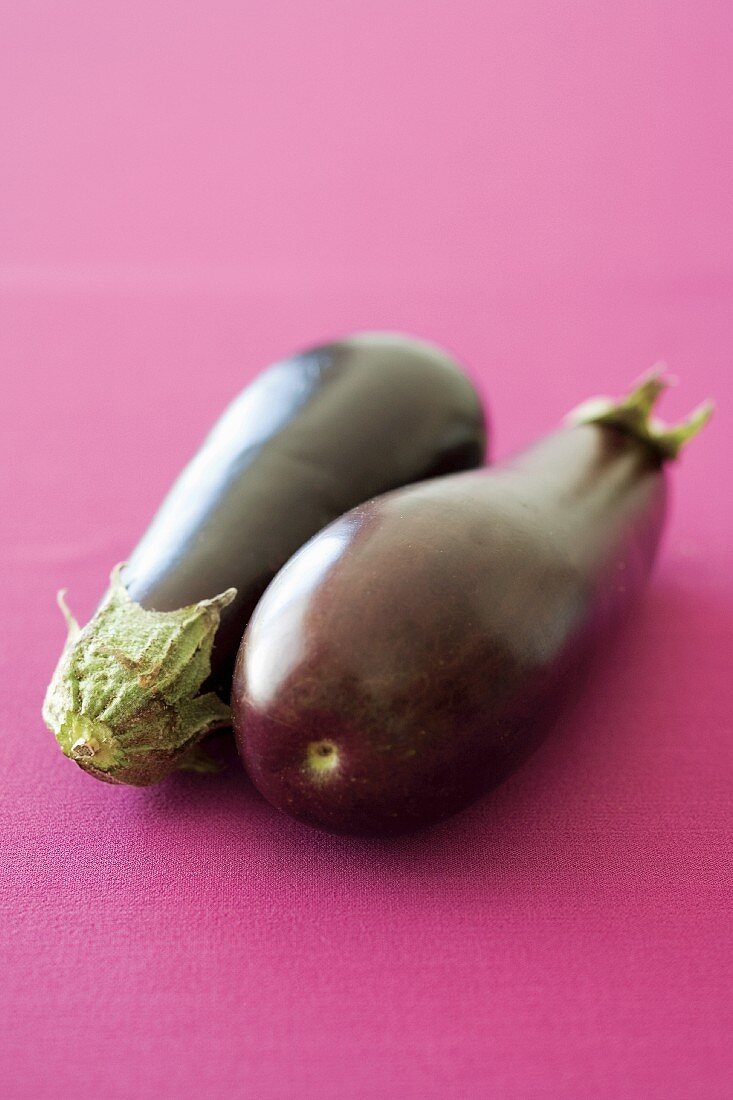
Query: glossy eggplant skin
(412, 654)
(306, 441)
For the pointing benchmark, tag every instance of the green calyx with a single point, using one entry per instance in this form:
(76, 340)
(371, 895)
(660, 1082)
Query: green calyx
(633, 415)
(123, 700)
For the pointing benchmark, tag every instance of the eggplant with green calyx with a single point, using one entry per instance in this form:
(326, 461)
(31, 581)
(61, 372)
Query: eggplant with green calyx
(413, 652)
(313, 436)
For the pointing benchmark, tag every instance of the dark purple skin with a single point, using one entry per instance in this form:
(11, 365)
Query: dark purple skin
(412, 654)
(308, 439)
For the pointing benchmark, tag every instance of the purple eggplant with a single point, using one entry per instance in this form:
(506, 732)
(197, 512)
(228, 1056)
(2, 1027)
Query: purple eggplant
(414, 652)
(310, 438)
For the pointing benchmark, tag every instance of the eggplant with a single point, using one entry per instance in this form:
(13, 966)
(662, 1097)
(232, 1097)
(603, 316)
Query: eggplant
(310, 438)
(415, 651)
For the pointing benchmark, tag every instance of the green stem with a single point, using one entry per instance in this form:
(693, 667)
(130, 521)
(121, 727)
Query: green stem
(124, 700)
(633, 414)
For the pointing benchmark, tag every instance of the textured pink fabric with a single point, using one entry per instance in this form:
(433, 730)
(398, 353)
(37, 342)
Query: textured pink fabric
(191, 190)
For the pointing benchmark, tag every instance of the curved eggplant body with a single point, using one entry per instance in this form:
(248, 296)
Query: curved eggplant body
(137, 688)
(306, 441)
(403, 661)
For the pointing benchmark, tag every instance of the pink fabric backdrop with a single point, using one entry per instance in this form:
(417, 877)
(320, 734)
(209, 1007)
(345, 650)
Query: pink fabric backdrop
(191, 190)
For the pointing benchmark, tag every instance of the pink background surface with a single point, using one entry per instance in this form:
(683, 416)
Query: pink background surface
(192, 190)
